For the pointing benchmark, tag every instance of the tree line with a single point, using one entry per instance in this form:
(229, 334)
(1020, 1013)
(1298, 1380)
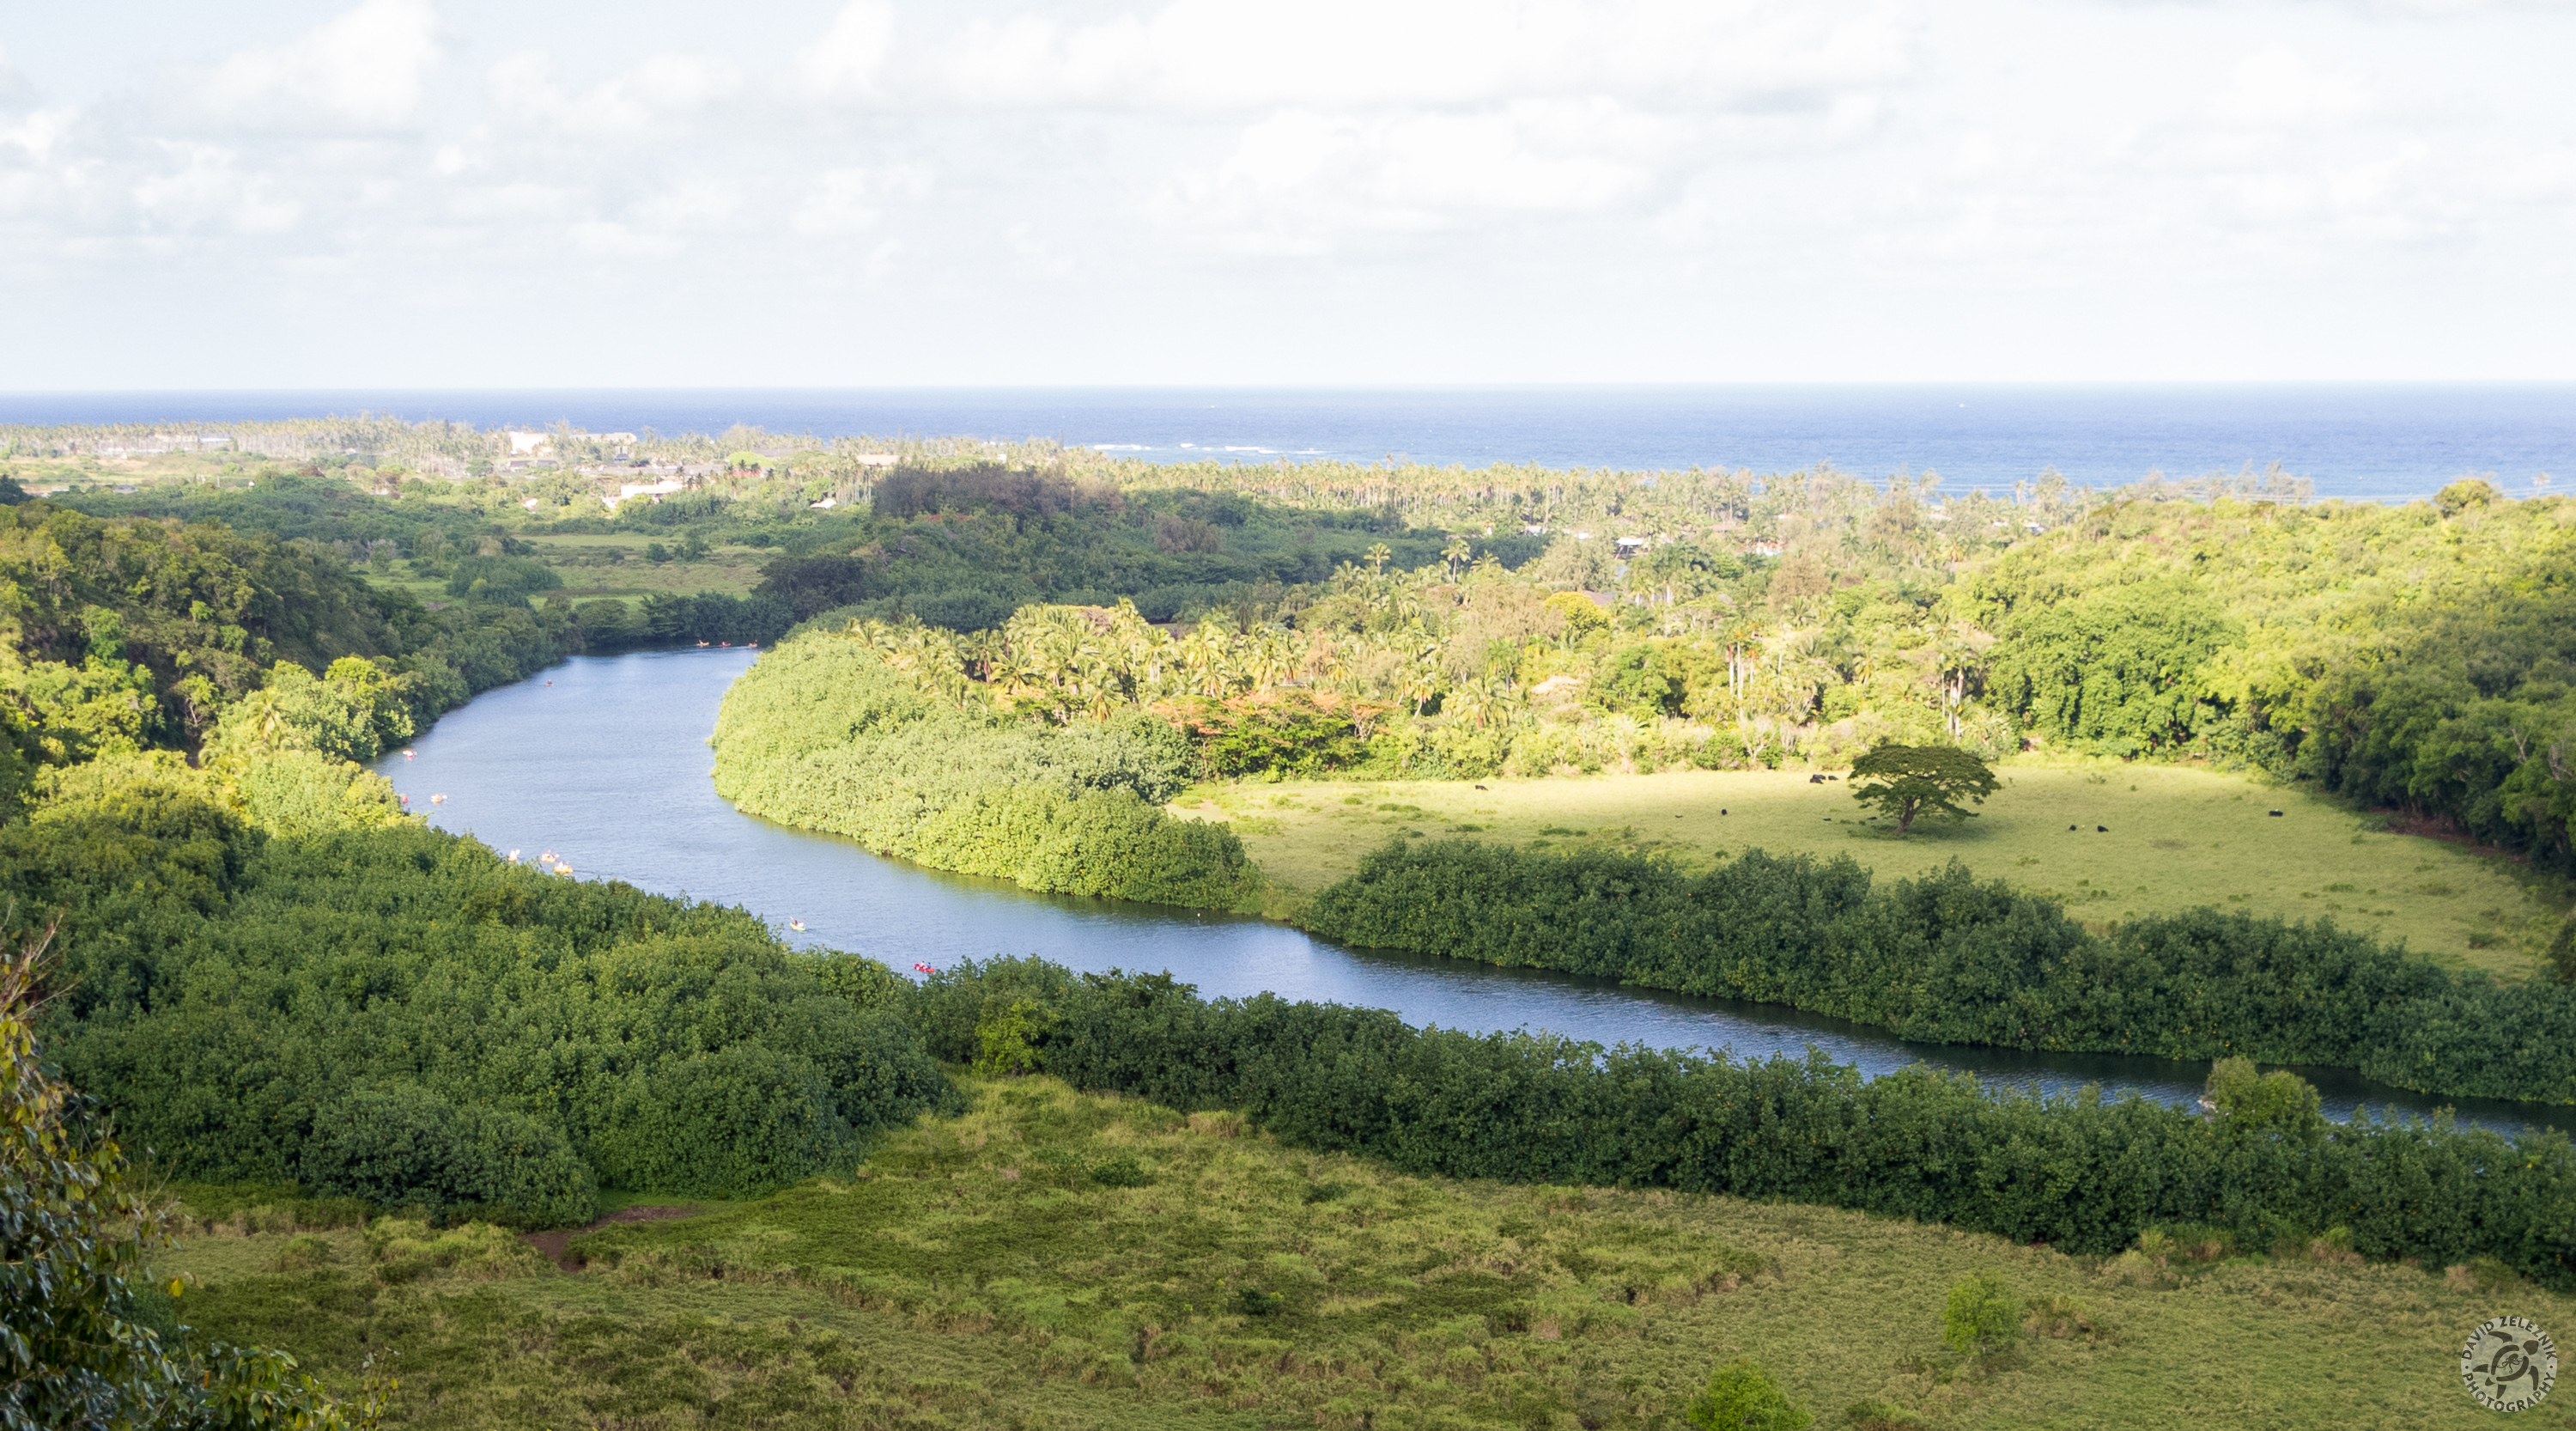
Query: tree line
(1949, 958)
(2409, 656)
(2084, 1174)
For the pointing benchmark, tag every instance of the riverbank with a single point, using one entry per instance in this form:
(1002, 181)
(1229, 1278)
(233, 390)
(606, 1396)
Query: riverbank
(603, 763)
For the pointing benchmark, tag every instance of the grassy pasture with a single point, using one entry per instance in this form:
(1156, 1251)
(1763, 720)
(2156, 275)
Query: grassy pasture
(2177, 838)
(1061, 1260)
(614, 565)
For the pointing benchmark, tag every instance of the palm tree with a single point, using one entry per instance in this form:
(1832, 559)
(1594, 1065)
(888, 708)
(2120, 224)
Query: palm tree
(1743, 649)
(1955, 652)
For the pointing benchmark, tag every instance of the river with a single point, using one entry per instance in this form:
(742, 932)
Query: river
(603, 761)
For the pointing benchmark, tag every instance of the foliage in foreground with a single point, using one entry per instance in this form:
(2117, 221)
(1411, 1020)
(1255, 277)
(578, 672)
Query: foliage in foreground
(1950, 959)
(2082, 1173)
(978, 1272)
(83, 1340)
(397, 1014)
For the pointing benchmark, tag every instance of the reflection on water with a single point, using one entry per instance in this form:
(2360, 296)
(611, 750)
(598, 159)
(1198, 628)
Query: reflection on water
(603, 761)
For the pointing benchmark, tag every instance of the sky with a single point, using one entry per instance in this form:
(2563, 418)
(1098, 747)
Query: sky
(471, 193)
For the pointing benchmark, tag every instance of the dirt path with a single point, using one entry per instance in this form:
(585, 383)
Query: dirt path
(557, 1245)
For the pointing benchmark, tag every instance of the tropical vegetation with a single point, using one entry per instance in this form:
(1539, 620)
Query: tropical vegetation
(401, 1016)
(979, 1271)
(1949, 958)
(88, 1329)
(1009, 662)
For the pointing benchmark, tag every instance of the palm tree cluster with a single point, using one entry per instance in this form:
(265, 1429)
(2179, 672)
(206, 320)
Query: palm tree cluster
(1685, 660)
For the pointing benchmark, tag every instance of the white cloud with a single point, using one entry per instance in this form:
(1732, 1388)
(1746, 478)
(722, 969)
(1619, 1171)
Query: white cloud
(369, 68)
(36, 134)
(1233, 55)
(1040, 256)
(848, 56)
(2275, 87)
(205, 187)
(1297, 179)
(525, 86)
(605, 238)
(1816, 177)
(848, 201)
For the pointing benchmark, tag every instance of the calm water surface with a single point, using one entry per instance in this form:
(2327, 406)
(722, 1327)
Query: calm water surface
(603, 761)
(2364, 441)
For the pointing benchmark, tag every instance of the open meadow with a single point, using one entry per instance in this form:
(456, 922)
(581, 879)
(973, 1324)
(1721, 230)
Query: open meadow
(2146, 839)
(617, 564)
(1065, 1260)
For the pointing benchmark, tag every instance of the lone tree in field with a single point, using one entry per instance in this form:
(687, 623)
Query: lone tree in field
(1912, 781)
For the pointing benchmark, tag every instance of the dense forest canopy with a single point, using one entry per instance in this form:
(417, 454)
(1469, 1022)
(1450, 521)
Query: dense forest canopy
(2408, 656)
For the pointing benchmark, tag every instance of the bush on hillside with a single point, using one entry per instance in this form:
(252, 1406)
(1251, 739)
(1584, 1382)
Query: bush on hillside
(402, 1146)
(1980, 1315)
(399, 1014)
(1740, 1396)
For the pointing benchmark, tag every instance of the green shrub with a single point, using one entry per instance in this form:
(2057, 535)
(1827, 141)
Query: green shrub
(1740, 1396)
(2249, 1104)
(500, 579)
(1981, 1315)
(1122, 1171)
(404, 1146)
(1005, 1036)
(303, 1253)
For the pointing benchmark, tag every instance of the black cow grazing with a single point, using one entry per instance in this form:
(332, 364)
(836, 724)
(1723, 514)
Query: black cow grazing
(1480, 787)
(2276, 812)
(1815, 780)
(2070, 829)
(2101, 829)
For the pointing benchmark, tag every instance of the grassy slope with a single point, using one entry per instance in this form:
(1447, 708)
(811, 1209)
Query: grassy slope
(2182, 838)
(974, 1274)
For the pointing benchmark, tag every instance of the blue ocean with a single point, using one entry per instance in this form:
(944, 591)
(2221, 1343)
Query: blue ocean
(2360, 441)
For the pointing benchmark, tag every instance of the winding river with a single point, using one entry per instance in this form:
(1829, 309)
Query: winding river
(603, 761)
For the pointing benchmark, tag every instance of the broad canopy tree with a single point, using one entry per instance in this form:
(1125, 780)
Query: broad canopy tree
(1909, 782)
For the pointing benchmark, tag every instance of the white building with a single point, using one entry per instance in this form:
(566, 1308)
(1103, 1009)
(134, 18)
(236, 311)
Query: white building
(654, 490)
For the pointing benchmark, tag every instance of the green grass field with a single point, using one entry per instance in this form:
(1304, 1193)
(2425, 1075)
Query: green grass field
(582, 562)
(2177, 838)
(1060, 1260)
